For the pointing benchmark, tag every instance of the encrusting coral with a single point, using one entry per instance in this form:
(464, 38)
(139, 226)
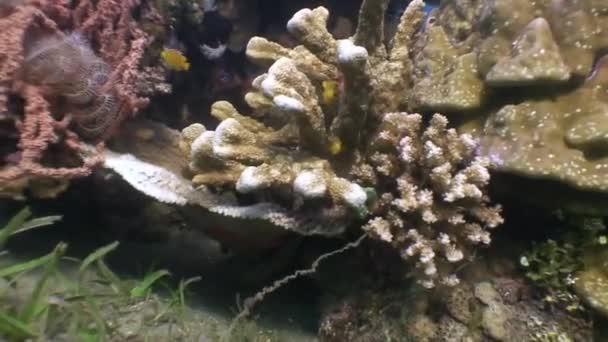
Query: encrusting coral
(535, 71)
(563, 138)
(592, 282)
(325, 161)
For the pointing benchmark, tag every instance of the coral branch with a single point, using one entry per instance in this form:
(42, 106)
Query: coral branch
(66, 85)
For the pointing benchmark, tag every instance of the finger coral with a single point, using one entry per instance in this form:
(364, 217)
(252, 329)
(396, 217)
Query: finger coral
(300, 154)
(335, 162)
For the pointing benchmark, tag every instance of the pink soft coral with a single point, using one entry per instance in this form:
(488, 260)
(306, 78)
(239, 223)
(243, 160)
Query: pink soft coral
(62, 81)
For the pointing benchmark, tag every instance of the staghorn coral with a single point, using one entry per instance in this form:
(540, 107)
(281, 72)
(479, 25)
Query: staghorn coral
(314, 166)
(435, 209)
(299, 152)
(152, 163)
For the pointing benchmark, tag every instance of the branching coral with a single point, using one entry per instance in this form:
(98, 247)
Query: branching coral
(62, 81)
(435, 208)
(39, 129)
(300, 154)
(326, 160)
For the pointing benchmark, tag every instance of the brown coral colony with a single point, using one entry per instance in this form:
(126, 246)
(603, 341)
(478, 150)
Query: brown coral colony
(425, 187)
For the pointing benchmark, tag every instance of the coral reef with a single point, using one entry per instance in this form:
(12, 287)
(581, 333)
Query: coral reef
(342, 137)
(70, 92)
(325, 160)
(147, 156)
(542, 139)
(290, 157)
(537, 69)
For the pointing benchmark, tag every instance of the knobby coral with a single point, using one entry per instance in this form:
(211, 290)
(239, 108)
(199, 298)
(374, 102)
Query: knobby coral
(70, 92)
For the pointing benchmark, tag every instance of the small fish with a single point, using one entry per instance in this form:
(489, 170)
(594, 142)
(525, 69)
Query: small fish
(330, 92)
(175, 60)
(335, 146)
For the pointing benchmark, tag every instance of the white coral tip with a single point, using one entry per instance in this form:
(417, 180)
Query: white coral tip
(355, 196)
(223, 131)
(288, 104)
(298, 19)
(310, 184)
(249, 181)
(349, 53)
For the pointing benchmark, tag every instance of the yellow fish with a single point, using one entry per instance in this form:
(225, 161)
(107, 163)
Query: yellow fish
(335, 146)
(330, 92)
(175, 60)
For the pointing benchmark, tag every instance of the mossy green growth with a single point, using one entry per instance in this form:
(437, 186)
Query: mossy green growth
(48, 299)
(553, 265)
